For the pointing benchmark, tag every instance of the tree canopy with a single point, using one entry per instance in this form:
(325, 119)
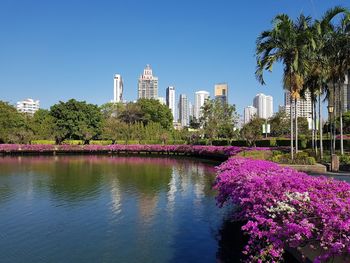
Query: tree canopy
(76, 120)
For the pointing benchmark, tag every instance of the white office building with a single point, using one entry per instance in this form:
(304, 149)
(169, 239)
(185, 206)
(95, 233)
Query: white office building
(250, 112)
(29, 106)
(148, 84)
(170, 100)
(304, 105)
(200, 97)
(118, 88)
(184, 116)
(264, 105)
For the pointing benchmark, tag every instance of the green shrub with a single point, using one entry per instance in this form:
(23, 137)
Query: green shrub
(258, 155)
(283, 142)
(345, 159)
(73, 142)
(221, 142)
(300, 158)
(100, 142)
(240, 143)
(43, 142)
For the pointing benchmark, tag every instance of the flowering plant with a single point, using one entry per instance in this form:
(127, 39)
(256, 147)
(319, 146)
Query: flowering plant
(220, 151)
(282, 208)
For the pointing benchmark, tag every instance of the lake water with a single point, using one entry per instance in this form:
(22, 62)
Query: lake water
(109, 209)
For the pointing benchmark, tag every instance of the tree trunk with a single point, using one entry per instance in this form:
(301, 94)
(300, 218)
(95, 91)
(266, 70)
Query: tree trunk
(315, 126)
(334, 118)
(296, 124)
(320, 123)
(341, 120)
(291, 126)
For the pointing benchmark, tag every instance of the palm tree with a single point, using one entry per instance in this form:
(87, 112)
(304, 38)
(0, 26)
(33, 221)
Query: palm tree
(287, 42)
(337, 52)
(343, 49)
(318, 76)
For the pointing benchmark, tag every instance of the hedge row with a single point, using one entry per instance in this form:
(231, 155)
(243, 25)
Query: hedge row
(303, 143)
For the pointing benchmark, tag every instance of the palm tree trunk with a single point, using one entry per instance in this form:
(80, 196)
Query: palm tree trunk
(291, 126)
(315, 125)
(335, 115)
(341, 120)
(296, 124)
(320, 124)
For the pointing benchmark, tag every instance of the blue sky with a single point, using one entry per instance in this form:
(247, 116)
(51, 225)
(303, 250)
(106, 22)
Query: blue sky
(57, 50)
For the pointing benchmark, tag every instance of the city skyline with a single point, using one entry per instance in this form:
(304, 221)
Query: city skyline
(55, 59)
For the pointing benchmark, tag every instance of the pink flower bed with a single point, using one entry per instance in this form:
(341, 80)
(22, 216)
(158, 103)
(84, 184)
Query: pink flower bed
(181, 149)
(282, 208)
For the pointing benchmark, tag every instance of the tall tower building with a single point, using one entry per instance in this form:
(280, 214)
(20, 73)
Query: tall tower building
(170, 100)
(249, 114)
(184, 117)
(118, 88)
(148, 84)
(200, 97)
(264, 105)
(221, 92)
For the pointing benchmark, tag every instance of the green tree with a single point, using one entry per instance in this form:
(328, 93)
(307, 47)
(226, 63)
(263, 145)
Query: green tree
(218, 120)
(110, 129)
(139, 132)
(42, 125)
(76, 120)
(111, 109)
(14, 126)
(252, 131)
(154, 111)
(132, 113)
(194, 123)
(279, 124)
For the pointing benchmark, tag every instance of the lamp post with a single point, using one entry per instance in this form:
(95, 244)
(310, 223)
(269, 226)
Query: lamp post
(330, 113)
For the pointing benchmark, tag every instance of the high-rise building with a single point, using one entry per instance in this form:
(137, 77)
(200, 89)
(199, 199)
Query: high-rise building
(190, 110)
(304, 106)
(29, 106)
(221, 92)
(184, 118)
(170, 100)
(264, 105)
(200, 98)
(342, 102)
(118, 88)
(148, 84)
(249, 113)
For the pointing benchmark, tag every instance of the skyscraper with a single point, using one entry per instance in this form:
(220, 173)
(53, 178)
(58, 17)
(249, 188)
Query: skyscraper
(184, 118)
(29, 106)
(170, 100)
(118, 88)
(221, 92)
(147, 84)
(200, 97)
(249, 114)
(264, 105)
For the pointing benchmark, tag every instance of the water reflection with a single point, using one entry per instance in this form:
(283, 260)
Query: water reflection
(105, 208)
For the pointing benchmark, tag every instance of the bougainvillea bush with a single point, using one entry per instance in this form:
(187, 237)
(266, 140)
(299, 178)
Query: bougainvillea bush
(281, 208)
(223, 151)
